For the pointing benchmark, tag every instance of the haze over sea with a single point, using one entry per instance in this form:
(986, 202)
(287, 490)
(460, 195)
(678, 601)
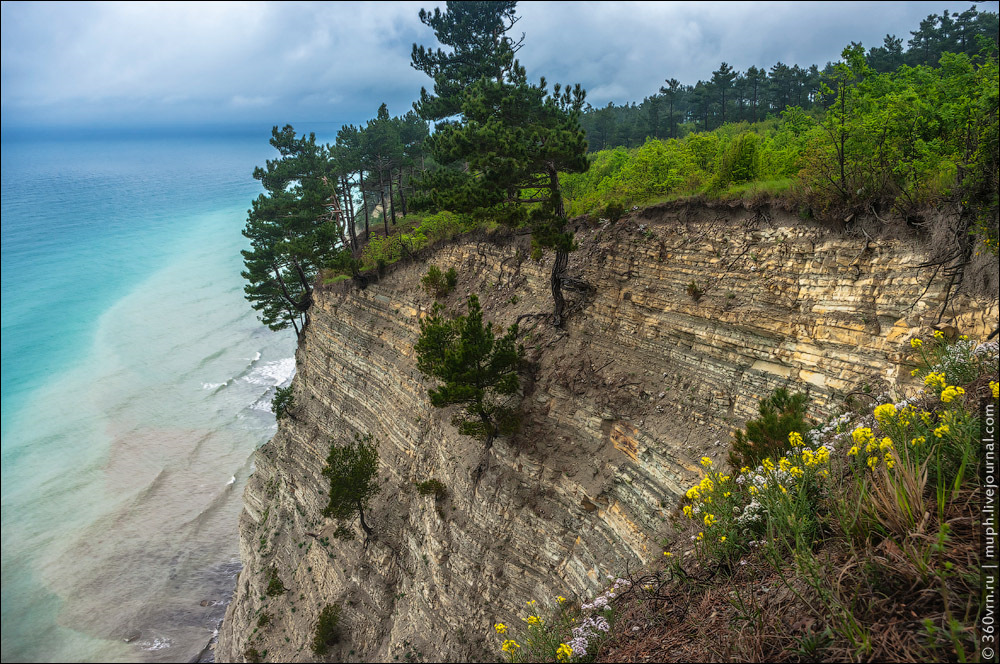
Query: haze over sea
(136, 383)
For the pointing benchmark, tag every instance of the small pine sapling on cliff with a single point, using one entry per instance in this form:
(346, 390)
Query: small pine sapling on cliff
(283, 402)
(438, 283)
(477, 370)
(327, 629)
(767, 436)
(353, 473)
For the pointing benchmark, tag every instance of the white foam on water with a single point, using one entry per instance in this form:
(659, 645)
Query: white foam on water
(213, 386)
(232, 481)
(156, 644)
(272, 374)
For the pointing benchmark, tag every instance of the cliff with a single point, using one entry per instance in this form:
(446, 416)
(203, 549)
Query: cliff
(690, 317)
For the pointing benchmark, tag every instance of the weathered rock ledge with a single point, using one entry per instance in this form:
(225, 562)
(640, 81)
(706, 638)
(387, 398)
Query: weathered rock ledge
(692, 318)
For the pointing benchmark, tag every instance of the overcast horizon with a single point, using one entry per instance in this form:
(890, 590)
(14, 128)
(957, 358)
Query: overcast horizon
(134, 65)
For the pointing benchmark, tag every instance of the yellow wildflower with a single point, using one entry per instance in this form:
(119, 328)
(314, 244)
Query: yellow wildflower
(533, 620)
(853, 451)
(886, 444)
(560, 599)
(915, 372)
(872, 462)
(692, 493)
(916, 342)
(935, 380)
(919, 440)
(783, 489)
(753, 490)
(942, 431)
(706, 462)
(722, 539)
(563, 652)
(509, 646)
(963, 337)
(795, 438)
(500, 628)
(727, 494)
(938, 334)
(710, 519)
(700, 537)
(688, 512)
(768, 464)
(746, 469)
(884, 413)
(995, 389)
(668, 554)
(889, 460)
(950, 393)
(784, 464)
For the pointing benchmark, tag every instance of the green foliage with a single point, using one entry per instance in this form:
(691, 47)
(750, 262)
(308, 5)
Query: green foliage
(740, 162)
(694, 291)
(252, 655)
(274, 585)
(504, 156)
(437, 283)
(283, 402)
(263, 619)
(327, 631)
(478, 370)
(480, 49)
(767, 435)
(290, 235)
(352, 469)
(432, 487)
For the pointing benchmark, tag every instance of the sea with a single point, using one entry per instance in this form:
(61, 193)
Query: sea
(136, 385)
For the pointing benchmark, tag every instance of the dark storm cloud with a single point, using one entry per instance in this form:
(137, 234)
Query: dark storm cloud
(167, 63)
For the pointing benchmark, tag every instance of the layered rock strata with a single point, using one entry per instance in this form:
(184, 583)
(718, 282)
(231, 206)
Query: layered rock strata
(682, 320)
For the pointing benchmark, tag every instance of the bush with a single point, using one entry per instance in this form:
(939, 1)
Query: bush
(432, 487)
(327, 629)
(694, 291)
(438, 284)
(767, 436)
(283, 402)
(274, 585)
(252, 655)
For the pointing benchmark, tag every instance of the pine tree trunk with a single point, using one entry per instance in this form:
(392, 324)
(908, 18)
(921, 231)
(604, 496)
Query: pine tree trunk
(402, 198)
(392, 205)
(364, 199)
(381, 193)
(364, 525)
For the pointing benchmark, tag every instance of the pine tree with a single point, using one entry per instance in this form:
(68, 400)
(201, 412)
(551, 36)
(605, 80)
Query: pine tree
(476, 34)
(477, 370)
(353, 473)
(290, 231)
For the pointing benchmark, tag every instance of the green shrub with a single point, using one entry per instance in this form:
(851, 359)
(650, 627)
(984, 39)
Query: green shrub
(283, 402)
(252, 655)
(614, 211)
(694, 291)
(437, 283)
(327, 629)
(740, 161)
(264, 619)
(432, 487)
(274, 585)
(767, 436)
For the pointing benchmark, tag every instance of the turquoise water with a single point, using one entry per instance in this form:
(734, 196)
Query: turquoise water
(136, 383)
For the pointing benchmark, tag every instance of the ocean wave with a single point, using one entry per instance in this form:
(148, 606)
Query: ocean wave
(155, 644)
(244, 373)
(272, 374)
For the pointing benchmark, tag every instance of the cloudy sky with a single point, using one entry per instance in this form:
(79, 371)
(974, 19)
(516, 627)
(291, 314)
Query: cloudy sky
(135, 64)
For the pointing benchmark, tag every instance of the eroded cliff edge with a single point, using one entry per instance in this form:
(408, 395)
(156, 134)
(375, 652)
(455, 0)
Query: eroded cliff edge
(692, 316)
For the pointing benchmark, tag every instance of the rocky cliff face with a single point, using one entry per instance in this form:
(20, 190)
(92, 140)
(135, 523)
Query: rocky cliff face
(690, 318)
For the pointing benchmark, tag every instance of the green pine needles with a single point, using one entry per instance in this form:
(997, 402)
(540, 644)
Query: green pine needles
(353, 473)
(477, 370)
